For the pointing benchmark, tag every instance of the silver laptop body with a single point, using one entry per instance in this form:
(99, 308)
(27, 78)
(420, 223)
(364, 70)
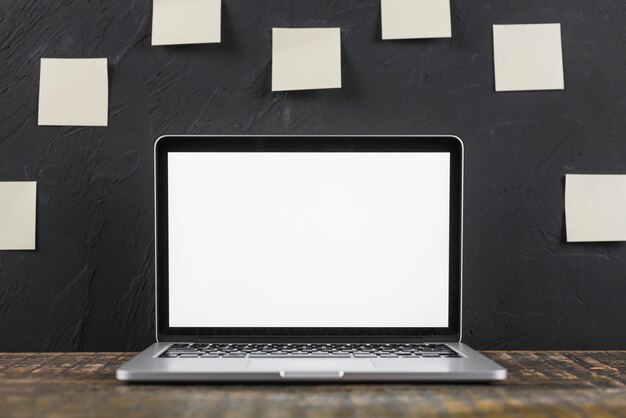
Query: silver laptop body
(334, 258)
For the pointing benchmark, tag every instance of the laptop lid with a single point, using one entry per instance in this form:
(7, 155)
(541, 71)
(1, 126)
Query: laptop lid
(296, 239)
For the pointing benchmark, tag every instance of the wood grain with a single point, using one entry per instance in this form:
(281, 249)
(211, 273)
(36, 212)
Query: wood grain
(540, 384)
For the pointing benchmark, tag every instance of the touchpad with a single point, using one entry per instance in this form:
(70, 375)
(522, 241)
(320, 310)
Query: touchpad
(310, 365)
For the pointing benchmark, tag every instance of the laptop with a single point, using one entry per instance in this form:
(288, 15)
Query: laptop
(308, 258)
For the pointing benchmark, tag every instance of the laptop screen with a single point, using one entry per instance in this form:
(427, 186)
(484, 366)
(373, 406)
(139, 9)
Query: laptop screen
(308, 239)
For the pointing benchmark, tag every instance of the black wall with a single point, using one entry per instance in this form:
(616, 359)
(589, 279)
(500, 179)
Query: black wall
(89, 285)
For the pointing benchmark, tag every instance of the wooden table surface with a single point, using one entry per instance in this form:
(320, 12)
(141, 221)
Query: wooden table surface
(540, 384)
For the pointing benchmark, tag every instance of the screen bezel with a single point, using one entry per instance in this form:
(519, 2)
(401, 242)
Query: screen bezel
(167, 144)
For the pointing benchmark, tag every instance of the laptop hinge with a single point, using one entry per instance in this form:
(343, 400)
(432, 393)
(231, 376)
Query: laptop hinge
(307, 339)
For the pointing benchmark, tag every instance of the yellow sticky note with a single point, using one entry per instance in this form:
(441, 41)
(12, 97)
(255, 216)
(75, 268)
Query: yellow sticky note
(595, 207)
(306, 58)
(528, 57)
(73, 92)
(18, 203)
(179, 22)
(414, 19)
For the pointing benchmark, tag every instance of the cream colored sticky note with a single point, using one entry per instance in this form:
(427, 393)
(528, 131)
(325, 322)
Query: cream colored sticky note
(178, 22)
(18, 203)
(595, 207)
(308, 58)
(73, 92)
(528, 57)
(413, 19)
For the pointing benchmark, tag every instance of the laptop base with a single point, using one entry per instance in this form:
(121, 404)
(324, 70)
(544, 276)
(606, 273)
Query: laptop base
(470, 367)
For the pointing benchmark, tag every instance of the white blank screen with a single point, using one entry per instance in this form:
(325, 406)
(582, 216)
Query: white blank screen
(308, 239)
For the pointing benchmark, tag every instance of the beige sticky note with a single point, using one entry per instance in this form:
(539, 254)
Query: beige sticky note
(595, 207)
(178, 22)
(73, 92)
(308, 58)
(412, 19)
(18, 203)
(528, 57)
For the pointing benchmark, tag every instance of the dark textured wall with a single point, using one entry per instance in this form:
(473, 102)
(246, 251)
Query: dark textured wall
(89, 285)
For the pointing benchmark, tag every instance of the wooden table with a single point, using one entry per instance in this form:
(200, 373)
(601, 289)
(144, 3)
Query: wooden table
(540, 384)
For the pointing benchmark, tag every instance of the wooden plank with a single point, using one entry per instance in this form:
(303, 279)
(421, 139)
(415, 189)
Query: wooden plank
(540, 384)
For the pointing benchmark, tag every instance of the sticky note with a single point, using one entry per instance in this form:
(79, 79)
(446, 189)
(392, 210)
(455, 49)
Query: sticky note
(18, 202)
(306, 58)
(73, 92)
(412, 19)
(178, 22)
(528, 57)
(595, 207)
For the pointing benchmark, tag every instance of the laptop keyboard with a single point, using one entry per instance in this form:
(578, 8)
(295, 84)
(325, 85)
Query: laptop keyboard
(198, 350)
